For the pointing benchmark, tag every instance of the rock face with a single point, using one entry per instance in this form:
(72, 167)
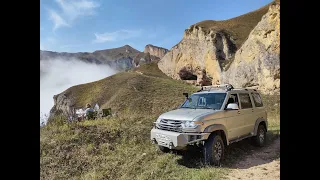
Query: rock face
(155, 51)
(243, 51)
(62, 105)
(198, 51)
(142, 58)
(257, 62)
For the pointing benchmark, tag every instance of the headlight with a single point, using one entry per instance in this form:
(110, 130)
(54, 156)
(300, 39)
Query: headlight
(157, 121)
(188, 124)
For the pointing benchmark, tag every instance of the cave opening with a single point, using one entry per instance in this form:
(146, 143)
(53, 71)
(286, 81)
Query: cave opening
(184, 74)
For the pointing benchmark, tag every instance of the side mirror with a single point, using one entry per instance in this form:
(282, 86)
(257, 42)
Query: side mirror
(232, 106)
(186, 95)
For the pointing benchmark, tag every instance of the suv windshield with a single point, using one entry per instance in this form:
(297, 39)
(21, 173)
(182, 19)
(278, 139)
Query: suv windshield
(205, 101)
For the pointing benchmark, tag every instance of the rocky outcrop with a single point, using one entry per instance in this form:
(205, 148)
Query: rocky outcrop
(143, 58)
(257, 62)
(63, 105)
(199, 51)
(213, 52)
(155, 50)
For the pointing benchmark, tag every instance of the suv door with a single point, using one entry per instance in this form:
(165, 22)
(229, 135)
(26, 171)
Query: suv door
(247, 112)
(259, 110)
(234, 120)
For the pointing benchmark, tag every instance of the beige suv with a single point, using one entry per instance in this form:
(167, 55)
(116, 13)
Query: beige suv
(212, 118)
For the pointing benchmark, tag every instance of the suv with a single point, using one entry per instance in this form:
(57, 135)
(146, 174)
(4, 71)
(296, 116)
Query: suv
(212, 118)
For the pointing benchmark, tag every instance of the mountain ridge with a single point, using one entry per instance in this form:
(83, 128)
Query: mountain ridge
(121, 58)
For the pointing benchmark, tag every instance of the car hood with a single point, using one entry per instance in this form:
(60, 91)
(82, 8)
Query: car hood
(185, 114)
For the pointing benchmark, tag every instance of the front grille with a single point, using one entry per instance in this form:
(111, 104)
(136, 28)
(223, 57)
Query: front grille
(170, 125)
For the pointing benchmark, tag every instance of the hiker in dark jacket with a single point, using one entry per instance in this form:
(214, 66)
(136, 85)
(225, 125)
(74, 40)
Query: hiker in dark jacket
(89, 109)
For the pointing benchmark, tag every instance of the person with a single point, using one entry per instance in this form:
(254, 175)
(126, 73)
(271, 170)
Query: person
(89, 109)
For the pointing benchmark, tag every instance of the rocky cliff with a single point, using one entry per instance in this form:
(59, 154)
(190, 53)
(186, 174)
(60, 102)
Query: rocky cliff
(210, 50)
(257, 62)
(155, 50)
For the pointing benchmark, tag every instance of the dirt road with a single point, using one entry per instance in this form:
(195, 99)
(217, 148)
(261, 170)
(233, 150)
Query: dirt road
(263, 164)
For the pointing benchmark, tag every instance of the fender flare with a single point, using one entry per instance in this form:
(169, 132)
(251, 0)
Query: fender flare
(258, 121)
(216, 127)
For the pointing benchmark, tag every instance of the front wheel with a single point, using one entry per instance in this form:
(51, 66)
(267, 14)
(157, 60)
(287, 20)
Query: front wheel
(260, 138)
(213, 150)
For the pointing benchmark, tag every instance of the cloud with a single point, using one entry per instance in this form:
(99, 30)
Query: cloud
(60, 74)
(58, 21)
(72, 10)
(76, 8)
(117, 35)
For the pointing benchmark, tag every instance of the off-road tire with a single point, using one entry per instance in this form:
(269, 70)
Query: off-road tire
(261, 137)
(163, 149)
(213, 150)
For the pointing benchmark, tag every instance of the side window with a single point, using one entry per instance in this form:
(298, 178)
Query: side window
(257, 100)
(233, 98)
(245, 101)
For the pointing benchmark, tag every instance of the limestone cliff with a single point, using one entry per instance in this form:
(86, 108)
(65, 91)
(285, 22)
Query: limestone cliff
(257, 62)
(199, 52)
(234, 50)
(155, 50)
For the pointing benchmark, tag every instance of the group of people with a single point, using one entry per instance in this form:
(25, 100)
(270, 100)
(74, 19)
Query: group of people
(86, 112)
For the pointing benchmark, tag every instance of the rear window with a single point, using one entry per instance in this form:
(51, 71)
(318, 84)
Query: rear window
(257, 100)
(245, 100)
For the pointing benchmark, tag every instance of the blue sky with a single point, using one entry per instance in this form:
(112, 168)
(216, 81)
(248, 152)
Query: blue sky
(89, 25)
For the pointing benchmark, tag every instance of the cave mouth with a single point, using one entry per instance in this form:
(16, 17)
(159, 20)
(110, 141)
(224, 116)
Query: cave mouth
(184, 74)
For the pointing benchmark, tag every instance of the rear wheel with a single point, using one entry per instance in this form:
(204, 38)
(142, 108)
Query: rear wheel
(163, 149)
(260, 138)
(213, 150)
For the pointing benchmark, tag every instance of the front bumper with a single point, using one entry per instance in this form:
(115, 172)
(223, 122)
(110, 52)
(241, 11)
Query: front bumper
(174, 140)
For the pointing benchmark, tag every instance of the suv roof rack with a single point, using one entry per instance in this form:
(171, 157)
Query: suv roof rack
(246, 89)
(228, 87)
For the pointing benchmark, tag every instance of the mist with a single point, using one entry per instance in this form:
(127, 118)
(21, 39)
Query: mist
(58, 75)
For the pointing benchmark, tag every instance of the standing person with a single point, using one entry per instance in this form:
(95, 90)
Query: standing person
(89, 109)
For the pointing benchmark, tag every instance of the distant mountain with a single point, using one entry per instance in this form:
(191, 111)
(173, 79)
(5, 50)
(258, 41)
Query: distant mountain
(121, 58)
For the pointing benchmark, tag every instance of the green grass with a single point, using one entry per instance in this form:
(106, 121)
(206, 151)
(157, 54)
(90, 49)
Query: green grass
(110, 149)
(119, 147)
(272, 103)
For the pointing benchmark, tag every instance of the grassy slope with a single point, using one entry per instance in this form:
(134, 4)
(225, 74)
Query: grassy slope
(141, 94)
(119, 148)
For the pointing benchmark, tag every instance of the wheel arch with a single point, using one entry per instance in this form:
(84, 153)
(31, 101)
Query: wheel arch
(218, 129)
(258, 122)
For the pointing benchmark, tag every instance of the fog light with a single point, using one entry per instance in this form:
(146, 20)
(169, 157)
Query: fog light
(170, 145)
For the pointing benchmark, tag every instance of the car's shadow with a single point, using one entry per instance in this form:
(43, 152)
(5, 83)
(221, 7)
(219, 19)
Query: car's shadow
(234, 155)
